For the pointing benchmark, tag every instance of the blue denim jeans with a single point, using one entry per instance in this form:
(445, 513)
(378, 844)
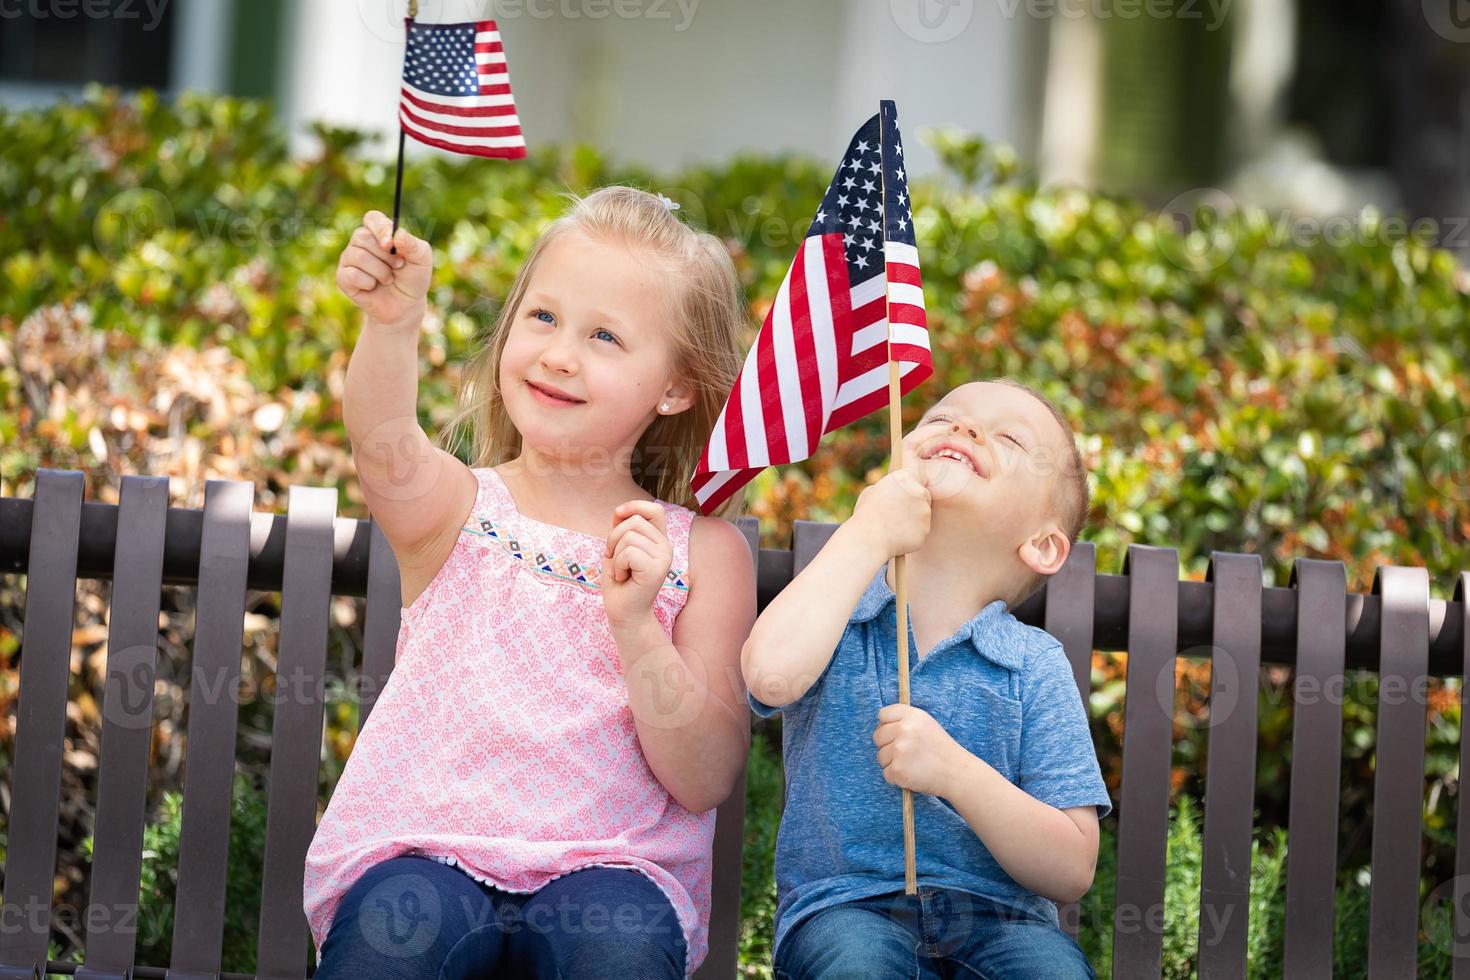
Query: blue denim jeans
(937, 933)
(411, 917)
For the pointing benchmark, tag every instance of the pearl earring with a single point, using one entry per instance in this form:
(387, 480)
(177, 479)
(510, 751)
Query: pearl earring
(664, 407)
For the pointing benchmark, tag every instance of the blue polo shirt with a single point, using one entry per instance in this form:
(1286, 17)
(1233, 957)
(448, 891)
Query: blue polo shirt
(1002, 689)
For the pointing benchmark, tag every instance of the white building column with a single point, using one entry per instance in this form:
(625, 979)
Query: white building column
(945, 63)
(201, 45)
(345, 64)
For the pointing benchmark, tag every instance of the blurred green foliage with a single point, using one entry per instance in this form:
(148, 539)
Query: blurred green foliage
(1240, 384)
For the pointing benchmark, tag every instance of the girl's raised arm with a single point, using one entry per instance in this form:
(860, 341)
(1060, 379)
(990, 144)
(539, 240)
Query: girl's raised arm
(416, 492)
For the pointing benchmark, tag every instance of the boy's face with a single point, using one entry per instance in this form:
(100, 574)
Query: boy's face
(1014, 454)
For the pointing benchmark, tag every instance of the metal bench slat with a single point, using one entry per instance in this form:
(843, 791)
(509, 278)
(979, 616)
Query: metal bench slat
(1148, 727)
(1398, 772)
(382, 617)
(1319, 625)
(1316, 765)
(1460, 921)
(1069, 597)
(1230, 767)
(807, 538)
(296, 738)
(722, 960)
(40, 719)
(209, 766)
(127, 728)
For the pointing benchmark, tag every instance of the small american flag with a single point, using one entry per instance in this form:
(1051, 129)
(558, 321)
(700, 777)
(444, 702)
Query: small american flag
(456, 90)
(821, 358)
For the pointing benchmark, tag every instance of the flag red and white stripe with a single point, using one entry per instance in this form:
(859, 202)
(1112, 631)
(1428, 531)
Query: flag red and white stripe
(821, 358)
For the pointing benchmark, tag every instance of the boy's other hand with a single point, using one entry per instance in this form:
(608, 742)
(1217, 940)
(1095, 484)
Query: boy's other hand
(915, 751)
(894, 512)
(391, 289)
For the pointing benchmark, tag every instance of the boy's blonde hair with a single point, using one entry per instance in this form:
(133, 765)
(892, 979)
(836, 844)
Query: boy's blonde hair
(708, 312)
(1070, 498)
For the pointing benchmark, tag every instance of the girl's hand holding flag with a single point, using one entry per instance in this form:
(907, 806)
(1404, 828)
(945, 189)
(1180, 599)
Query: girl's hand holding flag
(392, 289)
(456, 90)
(455, 94)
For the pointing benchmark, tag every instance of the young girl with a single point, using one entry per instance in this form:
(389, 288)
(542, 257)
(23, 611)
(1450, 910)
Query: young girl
(534, 791)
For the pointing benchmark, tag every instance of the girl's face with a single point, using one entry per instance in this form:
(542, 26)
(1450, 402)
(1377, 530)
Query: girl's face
(593, 326)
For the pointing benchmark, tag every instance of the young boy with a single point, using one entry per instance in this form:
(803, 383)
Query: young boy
(994, 745)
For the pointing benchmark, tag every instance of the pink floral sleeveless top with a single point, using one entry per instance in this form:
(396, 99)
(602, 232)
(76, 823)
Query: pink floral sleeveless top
(503, 742)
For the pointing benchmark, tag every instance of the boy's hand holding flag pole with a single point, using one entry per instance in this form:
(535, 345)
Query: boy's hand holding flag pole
(848, 321)
(455, 94)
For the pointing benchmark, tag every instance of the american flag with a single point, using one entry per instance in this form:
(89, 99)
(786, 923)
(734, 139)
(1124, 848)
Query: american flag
(821, 358)
(456, 90)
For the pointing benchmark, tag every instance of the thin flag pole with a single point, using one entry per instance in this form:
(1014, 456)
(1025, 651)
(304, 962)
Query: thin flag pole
(895, 462)
(413, 12)
(397, 190)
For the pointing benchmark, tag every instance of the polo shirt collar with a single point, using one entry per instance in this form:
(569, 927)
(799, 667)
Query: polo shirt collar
(987, 630)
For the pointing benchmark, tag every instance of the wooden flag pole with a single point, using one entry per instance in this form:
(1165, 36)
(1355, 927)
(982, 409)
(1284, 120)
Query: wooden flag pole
(895, 462)
(413, 12)
(895, 435)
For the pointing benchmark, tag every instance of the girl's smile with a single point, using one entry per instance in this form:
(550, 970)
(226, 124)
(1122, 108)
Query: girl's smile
(545, 397)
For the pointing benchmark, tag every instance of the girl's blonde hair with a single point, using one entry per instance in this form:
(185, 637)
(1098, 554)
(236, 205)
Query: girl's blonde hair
(709, 318)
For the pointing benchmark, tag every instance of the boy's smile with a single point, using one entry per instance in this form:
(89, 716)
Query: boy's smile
(994, 459)
(964, 456)
(982, 434)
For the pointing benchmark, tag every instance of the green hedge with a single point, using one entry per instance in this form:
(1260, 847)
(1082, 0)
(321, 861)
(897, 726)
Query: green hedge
(1235, 390)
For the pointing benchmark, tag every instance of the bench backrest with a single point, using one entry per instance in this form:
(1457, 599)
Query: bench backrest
(311, 555)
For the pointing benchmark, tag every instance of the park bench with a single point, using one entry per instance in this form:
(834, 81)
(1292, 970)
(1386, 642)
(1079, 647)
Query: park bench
(310, 555)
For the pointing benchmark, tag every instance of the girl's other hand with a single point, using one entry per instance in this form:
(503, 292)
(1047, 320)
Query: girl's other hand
(391, 289)
(636, 562)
